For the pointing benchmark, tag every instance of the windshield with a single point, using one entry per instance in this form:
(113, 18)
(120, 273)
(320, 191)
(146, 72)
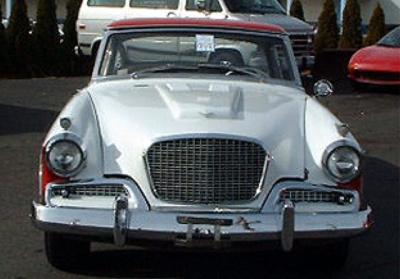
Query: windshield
(254, 6)
(142, 54)
(392, 39)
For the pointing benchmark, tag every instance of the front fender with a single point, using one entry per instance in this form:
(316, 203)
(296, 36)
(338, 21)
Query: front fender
(81, 112)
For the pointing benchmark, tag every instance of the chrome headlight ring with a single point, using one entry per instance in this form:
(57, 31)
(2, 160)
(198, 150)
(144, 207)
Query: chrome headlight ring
(65, 155)
(342, 161)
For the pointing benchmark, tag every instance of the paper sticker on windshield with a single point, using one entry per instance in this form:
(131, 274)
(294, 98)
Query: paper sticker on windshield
(205, 43)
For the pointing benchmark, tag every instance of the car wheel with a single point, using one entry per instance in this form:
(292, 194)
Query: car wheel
(65, 253)
(226, 56)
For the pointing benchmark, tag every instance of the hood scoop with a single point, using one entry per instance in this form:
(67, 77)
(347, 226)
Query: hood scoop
(214, 101)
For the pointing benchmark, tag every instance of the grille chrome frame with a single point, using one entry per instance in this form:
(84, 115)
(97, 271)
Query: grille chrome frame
(267, 158)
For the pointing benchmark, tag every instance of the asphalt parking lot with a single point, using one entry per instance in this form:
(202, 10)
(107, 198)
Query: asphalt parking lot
(28, 107)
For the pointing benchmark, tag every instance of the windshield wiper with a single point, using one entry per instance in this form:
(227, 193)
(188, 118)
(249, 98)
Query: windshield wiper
(163, 68)
(254, 72)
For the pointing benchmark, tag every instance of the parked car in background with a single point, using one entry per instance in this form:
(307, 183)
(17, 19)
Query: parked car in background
(197, 134)
(94, 16)
(378, 64)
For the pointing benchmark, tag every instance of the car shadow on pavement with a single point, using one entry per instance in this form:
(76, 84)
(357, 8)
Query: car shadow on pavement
(18, 120)
(370, 254)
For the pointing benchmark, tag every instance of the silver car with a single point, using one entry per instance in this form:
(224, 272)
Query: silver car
(198, 134)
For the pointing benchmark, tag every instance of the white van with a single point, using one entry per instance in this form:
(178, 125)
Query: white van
(95, 15)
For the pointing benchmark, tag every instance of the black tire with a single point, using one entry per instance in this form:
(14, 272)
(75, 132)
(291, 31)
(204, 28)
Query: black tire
(65, 253)
(230, 56)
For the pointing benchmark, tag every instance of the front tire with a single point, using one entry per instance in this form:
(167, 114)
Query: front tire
(65, 253)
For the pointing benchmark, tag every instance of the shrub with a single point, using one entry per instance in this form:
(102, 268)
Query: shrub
(3, 46)
(352, 36)
(296, 10)
(376, 28)
(46, 39)
(19, 41)
(70, 38)
(328, 33)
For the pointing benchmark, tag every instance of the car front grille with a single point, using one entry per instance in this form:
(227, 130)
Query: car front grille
(374, 75)
(90, 190)
(206, 170)
(302, 46)
(315, 196)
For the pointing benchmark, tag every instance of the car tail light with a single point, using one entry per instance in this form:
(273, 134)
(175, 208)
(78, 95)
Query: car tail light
(46, 176)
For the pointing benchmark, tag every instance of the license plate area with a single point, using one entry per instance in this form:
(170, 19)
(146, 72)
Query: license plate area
(203, 232)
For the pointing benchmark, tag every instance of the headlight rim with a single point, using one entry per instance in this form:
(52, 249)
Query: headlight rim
(65, 137)
(331, 148)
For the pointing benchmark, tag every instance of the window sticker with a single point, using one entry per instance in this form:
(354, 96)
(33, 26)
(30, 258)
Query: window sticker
(205, 43)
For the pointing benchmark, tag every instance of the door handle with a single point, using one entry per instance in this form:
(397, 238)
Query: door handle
(171, 14)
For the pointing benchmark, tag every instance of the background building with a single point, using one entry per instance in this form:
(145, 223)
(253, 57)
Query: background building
(313, 8)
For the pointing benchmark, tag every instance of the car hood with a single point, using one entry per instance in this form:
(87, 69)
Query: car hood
(133, 114)
(377, 58)
(290, 24)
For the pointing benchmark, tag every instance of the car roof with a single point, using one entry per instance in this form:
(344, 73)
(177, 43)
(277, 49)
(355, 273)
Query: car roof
(191, 22)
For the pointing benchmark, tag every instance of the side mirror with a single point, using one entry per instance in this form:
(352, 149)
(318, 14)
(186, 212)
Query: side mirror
(201, 4)
(323, 88)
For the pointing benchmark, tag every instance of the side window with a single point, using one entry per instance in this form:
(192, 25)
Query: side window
(106, 3)
(155, 4)
(211, 5)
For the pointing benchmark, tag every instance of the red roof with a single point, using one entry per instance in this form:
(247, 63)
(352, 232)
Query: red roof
(186, 22)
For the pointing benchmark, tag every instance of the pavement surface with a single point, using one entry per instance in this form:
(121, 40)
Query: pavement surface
(27, 109)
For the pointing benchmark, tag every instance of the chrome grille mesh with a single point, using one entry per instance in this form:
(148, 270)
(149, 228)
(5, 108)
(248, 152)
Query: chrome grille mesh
(312, 196)
(301, 45)
(90, 190)
(206, 170)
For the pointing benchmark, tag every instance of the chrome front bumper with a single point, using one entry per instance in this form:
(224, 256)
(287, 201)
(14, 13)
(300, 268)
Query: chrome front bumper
(194, 229)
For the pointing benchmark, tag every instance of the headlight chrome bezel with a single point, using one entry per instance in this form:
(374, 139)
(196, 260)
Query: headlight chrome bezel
(69, 137)
(331, 149)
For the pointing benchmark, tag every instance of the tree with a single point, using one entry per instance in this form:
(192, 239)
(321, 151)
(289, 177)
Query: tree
(19, 41)
(3, 47)
(351, 36)
(328, 33)
(377, 28)
(70, 37)
(46, 39)
(296, 10)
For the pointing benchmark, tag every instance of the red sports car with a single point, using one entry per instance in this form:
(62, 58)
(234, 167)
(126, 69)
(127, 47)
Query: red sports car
(378, 64)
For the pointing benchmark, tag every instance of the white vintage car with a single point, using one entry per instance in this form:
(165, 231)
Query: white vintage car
(197, 134)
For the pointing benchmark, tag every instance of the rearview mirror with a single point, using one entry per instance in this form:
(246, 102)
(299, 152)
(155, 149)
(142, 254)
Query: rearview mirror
(323, 88)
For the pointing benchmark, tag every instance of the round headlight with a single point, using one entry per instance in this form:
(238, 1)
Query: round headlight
(342, 163)
(64, 157)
